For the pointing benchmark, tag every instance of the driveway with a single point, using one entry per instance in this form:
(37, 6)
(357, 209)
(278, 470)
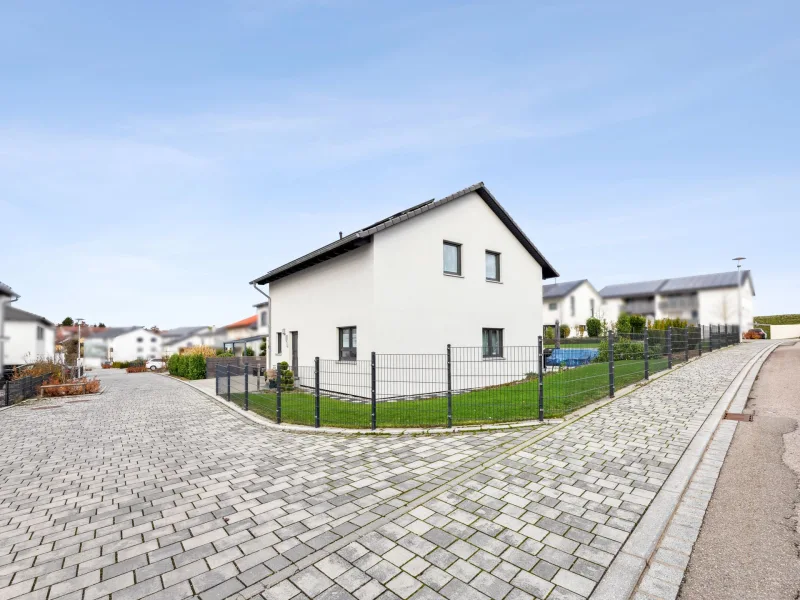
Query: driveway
(154, 490)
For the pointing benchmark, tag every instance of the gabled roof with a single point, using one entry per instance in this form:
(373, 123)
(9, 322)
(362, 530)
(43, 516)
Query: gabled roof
(364, 236)
(559, 290)
(676, 285)
(112, 332)
(183, 332)
(248, 322)
(12, 313)
(6, 290)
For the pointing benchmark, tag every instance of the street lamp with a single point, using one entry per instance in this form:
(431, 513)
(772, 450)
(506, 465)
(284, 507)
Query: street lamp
(78, 358)
(739, 260)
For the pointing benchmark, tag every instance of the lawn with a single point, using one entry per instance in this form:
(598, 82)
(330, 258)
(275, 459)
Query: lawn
(564, 392)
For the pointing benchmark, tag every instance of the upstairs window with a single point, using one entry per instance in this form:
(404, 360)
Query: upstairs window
(264, 318)
(552, 306)
(572, 306)
(591, 306)
(140, 340)
(452, 258)
(492, 266)
(492, 343)
(39, 332)
(347, 343)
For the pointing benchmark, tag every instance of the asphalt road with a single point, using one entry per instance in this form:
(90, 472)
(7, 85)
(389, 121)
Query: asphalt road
(749, 546)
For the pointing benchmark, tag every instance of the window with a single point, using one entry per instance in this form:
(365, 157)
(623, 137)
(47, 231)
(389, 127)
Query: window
(39, 333)
(280, 342)
(492, 266)
(153, 340)
(139, 340)
(153, 349)
(552, 306)
(139, 350)
(452, 258)
(347, 343)
(591, 305)
(572, 306)
(492, 343)
(263, 318)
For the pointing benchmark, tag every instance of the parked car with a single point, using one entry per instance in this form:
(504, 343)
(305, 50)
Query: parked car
(154, 364)
(755, 334)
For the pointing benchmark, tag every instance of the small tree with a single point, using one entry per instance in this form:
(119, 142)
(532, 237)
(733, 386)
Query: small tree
(68, 322)
(624, 323)
(287, 377)
(565, 331)
(101, 325)
(594, 326)
(263, 348)
(637, 323)
(248, 351)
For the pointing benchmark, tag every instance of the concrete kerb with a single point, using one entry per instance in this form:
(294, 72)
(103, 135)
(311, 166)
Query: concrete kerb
(550, 424)
(625, 571)
(28, 401)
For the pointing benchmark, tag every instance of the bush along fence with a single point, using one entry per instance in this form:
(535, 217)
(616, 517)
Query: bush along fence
(23, 388)
(464, 385)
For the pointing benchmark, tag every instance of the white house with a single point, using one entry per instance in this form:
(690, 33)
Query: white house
(181, 338)
(29, 337)
(454, 271)
(701, 299)
(7, 295)
(121, 344)
(570, 303)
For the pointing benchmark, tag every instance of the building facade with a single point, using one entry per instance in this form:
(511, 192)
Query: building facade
(571, 303)
(29, 337)
(455, 271)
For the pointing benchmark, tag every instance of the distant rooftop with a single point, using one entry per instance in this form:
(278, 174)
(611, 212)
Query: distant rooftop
(676, 285)
(559, 290)
(248, 322)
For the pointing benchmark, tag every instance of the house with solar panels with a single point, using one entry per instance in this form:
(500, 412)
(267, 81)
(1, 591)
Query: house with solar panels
(456, 271)
(699, 299)
(571, 303)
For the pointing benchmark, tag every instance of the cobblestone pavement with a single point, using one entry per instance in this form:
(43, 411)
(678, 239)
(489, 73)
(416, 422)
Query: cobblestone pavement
(153, 490)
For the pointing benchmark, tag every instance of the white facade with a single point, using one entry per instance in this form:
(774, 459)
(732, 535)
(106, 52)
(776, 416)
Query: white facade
(131, 344)
(574, 308)
(784, 332)
(721, 306)
(28, 341)
(394, 291)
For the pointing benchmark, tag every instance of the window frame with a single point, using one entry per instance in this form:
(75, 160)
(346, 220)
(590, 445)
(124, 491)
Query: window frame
(552, 306)
(351, 349)
(591, 306)
(572, 306)
(486, 350)
(497, 266)
(263, 318)
(457, 246)
(279, 343)
(39, 333)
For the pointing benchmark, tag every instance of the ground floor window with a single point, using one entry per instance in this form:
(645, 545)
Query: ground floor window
(280, 342)
(347, 343)
(492, 343)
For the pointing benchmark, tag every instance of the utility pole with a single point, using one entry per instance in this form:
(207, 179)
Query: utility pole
(78, 358)
(739, 260)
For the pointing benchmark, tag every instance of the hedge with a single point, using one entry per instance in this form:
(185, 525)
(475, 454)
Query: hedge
(188, 366)
(778, 320)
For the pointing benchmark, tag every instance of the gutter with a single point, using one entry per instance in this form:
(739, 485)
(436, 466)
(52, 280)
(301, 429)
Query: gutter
(269, 325)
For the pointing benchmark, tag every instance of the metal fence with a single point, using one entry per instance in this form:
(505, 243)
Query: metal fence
(17, 390)
(465, 385)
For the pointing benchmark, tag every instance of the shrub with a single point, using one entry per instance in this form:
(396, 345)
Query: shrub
(248, 351)
(92, 387)
(550, 332)
(205, 351)
(188, 366)
(565, 331)
(624, 349)
(594, 327)
(664, 324)
(47, 366)
(263, 348)
(638, 323)
(136, 369)
(224, 353)
(623, 323)
(287, 377)
(777, 320)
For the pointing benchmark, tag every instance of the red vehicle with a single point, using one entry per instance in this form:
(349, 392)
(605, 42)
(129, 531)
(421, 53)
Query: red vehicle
(755, 334)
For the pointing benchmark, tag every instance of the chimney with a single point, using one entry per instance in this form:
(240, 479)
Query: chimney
(340, 235)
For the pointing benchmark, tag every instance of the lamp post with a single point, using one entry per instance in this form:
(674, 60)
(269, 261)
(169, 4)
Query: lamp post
(78, 358)
(739, 260)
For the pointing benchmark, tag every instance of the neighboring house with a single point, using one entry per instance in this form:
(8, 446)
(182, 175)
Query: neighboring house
(242, 334)
(262, 312)
(7, 295)
(120, 344)
(454, 271)
(29, 337)
(570, 303)
(704, 299)
(180, 338)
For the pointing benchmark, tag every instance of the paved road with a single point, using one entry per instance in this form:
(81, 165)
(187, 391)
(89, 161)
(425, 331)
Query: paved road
(748, 544)
(153, 490)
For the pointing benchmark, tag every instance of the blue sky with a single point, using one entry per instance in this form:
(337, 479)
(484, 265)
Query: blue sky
(156, 157)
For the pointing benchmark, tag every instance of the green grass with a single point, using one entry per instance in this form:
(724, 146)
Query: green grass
(564, 392)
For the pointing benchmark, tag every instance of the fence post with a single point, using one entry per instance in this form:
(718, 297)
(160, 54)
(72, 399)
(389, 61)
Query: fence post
(540, 364)
(8, 392)
(246, 386)
(374, 421)
(278, 395)
(686, 349)
(558, 334)
(669, 347)
(229, 383)
(316, 391)
(216, 382)
(611, 364)
(700, 340)
(449, 389)
(646, 354)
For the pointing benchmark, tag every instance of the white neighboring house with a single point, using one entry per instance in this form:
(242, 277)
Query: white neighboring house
(454, 271)
(121, 344)
(29, 337)
(181, 338)
(242, 334)
(570, 303)
(7, 295)
(700, 299)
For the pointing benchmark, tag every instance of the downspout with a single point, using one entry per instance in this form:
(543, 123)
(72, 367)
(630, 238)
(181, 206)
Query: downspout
(269, 325)
(3, 302)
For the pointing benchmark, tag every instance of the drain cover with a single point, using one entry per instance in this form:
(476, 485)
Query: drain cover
(738, 416)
